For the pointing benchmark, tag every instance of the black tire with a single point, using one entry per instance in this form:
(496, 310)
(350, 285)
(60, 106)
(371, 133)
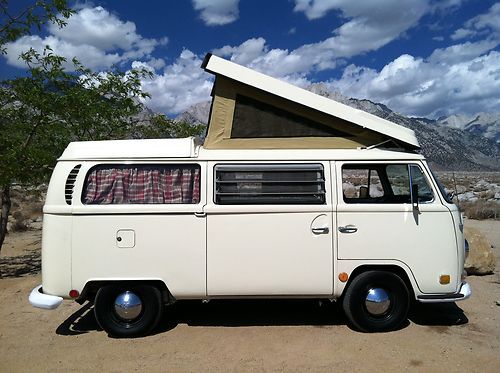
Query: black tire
(113, 324)
(356, 294)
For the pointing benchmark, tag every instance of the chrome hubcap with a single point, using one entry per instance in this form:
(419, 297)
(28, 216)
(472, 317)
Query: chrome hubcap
(128, 306)
(377, 301)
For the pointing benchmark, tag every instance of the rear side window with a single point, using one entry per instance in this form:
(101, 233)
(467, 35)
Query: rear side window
(142, 184)
(270, 184)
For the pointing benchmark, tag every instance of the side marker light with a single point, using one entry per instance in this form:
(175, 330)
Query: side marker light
(444, 279)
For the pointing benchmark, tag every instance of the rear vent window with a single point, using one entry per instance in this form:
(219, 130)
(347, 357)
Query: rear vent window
(70, 183)
(275, 184)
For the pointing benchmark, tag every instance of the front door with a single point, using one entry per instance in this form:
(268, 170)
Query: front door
(269, 230)
(376, 221)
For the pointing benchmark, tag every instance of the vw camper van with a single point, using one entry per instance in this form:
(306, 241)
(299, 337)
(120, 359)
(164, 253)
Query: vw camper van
(290, 195)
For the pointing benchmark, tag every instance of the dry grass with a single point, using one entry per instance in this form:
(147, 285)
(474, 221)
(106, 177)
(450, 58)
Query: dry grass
(481, 210)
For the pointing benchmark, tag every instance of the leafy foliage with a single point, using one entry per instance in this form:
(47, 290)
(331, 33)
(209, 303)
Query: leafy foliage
(13, 26)
(41, 113)
(160, 126)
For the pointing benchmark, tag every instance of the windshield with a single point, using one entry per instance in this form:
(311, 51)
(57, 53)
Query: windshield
(444, 193)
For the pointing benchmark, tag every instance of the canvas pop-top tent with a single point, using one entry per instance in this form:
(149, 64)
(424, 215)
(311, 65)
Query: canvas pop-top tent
(251, 110)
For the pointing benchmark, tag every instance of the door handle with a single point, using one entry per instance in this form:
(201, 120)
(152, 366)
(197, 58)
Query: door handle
(348, 229)
(323, 230)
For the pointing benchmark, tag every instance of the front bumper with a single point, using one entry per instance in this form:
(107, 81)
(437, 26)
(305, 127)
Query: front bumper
(464, 293)
(40, 300)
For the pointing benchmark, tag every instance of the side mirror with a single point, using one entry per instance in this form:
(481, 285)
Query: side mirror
(414, 196)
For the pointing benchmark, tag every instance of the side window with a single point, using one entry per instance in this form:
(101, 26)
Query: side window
(424, 190)
(399, 181)
(269, 184)
(361, 184)
(383, 183)
(142, 184)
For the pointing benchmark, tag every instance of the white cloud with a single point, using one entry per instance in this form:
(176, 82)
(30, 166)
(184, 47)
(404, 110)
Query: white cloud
(315, 9)
(487, 24)
(369, 24)
(461, 33)
(446, 5)
(94, 36)
(217, 12)
(462, 52)
(432, 87)
(181, 84)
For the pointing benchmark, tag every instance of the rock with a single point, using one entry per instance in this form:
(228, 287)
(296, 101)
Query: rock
(468, 196)
(481, 260)
(37, 225)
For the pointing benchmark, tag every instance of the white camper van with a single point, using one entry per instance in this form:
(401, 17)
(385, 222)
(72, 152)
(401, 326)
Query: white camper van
(291, 195)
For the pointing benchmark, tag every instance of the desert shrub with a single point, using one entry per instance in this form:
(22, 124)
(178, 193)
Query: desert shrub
(487, 194)
(20, 222)
(35, 209)
(481, 210)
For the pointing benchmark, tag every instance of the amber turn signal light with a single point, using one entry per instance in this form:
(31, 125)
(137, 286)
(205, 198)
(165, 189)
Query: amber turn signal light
(343, 277)
(444, 279)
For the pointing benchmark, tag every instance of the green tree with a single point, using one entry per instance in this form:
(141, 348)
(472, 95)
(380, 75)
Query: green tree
(41, 113)
(49, 107)
(15, 25)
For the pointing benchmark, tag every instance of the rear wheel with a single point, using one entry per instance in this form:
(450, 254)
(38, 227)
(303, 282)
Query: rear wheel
(128, 311)
(376, 301)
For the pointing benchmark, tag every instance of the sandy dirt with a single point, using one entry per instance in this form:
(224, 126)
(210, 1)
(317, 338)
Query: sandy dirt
(265, 335)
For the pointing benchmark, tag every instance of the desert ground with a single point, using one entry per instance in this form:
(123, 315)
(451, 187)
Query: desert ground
(263, 335)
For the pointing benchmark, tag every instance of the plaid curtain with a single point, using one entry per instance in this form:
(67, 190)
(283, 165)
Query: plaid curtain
(142, 184)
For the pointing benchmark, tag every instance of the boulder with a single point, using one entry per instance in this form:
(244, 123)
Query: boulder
(481, 260)
(467, 196)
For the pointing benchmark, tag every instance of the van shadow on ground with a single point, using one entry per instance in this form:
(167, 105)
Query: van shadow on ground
(237, 313)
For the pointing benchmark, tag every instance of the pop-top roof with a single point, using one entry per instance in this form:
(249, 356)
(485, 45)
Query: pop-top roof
(221, 67)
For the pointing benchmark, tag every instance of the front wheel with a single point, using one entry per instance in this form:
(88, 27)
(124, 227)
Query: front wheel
(128, 311)
(376, 301)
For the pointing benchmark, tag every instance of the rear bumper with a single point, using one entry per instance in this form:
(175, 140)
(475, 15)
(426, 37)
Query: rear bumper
(40, 300)
(464, 293)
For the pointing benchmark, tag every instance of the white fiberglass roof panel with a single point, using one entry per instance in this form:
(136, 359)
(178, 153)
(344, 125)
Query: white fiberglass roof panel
(133, 149)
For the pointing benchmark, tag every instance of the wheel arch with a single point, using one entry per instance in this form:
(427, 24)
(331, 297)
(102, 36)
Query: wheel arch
(392, 268)
(92, 286)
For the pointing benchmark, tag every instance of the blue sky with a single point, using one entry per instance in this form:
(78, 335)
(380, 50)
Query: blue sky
(419, 57)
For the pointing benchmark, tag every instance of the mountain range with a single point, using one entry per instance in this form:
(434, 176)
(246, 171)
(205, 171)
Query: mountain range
(457, 142)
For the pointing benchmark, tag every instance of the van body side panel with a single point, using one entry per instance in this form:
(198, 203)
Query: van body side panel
(428, 248)
(170, 247)
(141, 241)
(268, 254)
(56, 254)
(255, 250)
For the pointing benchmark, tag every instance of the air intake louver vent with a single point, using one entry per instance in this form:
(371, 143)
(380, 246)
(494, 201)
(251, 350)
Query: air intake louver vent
(70, 183)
